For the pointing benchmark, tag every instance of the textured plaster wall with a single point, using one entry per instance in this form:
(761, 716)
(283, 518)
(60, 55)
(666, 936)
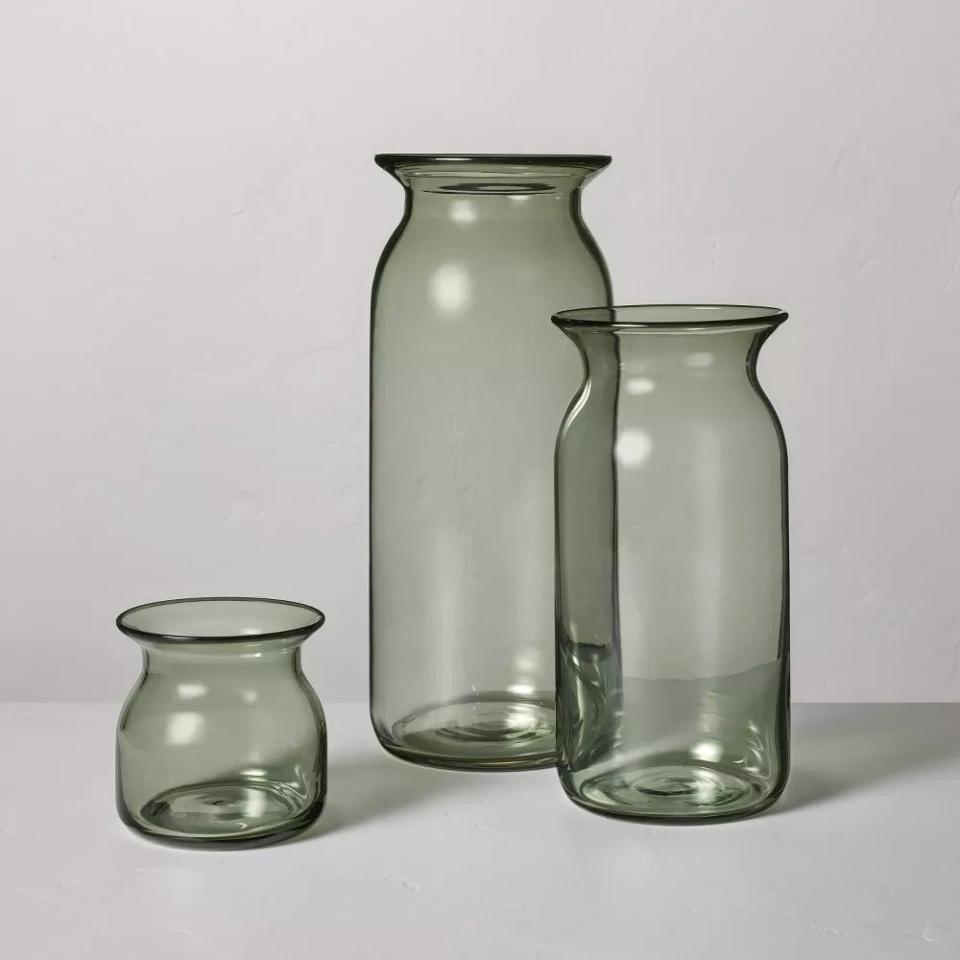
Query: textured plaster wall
(191, 218)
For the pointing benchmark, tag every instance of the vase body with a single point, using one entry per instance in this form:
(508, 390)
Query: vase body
(222, 741)
(672, 571)
(466, 382)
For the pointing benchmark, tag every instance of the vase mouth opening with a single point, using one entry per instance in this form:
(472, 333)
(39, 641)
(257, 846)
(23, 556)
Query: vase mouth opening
(671, 318)
(219, 620)
(497, 174)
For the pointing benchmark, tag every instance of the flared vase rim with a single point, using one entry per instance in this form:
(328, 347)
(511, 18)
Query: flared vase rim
(587, 162)
(671, 317)
(312, 622)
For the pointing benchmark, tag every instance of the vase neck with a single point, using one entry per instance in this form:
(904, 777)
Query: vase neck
(689, 355)
(635, 364)
(464, 210)
(671, 341)
(206, 658)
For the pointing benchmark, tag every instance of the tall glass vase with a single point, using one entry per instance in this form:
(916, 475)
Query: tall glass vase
(672, 586)
(466, 382)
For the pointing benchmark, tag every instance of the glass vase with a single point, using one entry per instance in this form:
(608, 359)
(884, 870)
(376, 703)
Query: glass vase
(672, 586)
(466, 382)
(223, 740)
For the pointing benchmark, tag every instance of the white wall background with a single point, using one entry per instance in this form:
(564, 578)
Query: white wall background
(189, 221)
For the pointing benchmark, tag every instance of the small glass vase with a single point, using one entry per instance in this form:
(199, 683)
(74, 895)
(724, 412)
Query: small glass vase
(672, 578)
(222, 741)
(466, 381)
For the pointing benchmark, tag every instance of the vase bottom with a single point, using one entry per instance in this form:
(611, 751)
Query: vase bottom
(493, 731)
(674, 792)
(226, 812)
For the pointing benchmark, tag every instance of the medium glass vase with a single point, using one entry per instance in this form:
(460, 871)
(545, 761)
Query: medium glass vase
(467, 378)
(222, 741)
(672, 586)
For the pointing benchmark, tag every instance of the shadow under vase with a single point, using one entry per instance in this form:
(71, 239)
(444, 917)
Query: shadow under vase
(848, 747)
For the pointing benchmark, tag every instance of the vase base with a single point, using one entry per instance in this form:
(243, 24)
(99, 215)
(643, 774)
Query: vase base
(679, 792)
(238, 812)
(493, 732)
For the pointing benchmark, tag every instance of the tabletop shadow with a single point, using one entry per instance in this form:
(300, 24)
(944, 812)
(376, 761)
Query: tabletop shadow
(374, 786)
(841, 748)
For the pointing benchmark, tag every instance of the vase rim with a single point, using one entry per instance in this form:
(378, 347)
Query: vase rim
(442, 162)
(300, 621)
(671, 316)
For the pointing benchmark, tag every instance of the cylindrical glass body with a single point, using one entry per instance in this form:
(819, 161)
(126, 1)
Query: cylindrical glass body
(672, 579)
(223, 740)
(466, 381)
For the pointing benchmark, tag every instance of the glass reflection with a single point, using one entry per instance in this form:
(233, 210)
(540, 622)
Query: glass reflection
(633, 448)
(450, 288)
(183, 729)
(463, 212)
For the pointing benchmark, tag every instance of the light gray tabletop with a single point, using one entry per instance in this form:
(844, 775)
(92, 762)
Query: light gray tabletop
(860, 858)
